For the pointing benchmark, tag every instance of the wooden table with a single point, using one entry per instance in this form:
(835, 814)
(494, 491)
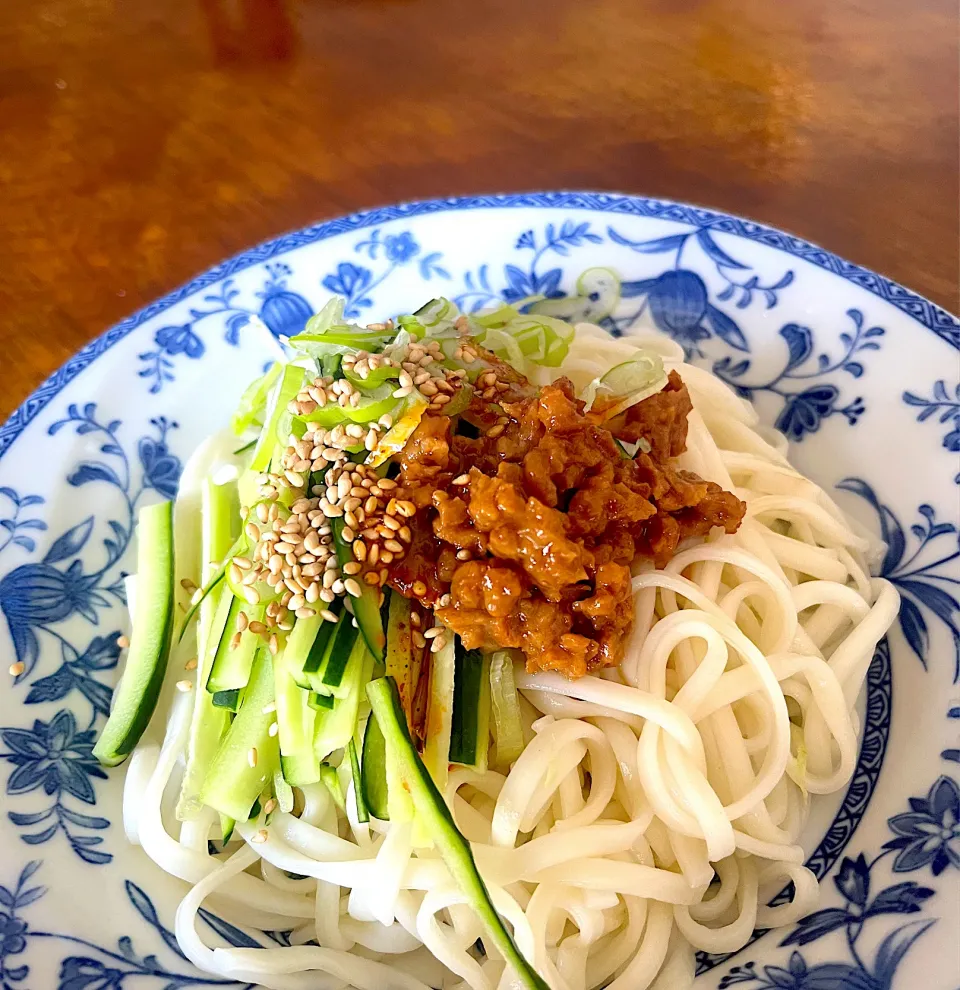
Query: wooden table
(142, 142)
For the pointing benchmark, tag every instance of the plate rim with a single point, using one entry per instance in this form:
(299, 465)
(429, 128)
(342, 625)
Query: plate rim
(922, 310)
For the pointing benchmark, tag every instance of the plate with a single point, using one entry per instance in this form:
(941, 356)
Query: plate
(862, 375)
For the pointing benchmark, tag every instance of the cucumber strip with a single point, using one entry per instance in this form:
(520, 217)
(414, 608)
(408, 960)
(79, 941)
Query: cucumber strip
(436, 751)
(226, 700)
(146, 664)
(331, 780)
(367, 607)
(284, 792)
(227, 825)
(400, 650)
(373, 771)
(505, 708)
(231, 666)
(232, 784)
(338, 652)
(304, 651)
(320, 702)
(470, 730)
(362, 814)
(295, 721)
(285, 389)
(335, 728)
(208, 723)
(452, 846)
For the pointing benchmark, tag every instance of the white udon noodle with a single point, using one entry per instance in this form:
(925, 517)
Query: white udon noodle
(692, 762)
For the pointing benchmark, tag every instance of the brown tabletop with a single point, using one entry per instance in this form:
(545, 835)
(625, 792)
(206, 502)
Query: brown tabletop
(143, 142)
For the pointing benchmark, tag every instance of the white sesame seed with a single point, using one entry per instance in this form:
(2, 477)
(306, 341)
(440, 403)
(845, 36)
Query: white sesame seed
(191, 664)
(260, 836)
(270, 706)
(461, 479)
(252, 756)
(418, 639)
(252, 595)
(338, 586)
(184, 686)
(393, 546)
(326, 595)
(273, 644)
(305, 613)
(432, 632)
(438, 644)
(271, 804)
(402, 393)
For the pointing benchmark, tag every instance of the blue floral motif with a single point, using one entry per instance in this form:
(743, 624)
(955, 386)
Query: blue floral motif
(36, 597)
(400, 248)
(803, 411)
(100, 968)
(356, 282)
(15, 528)
(925, 588)
(853, 882)
(678, 299)
(949, 409)
(283, 311)
(929, 834)
(55, 757)
(522, 283)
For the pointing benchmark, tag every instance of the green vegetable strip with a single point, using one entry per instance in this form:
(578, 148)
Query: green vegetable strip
(283, 392)
(436, 753)
(335, 728)
(362, 814)
(470, 731)
(232, 665)
(366, 608)
(505, 706)
(400, 650)
(218, 511)
(295, 717)
(452, 846)
(139, 689)
(373, 771)
(331, 780)
(232, 784)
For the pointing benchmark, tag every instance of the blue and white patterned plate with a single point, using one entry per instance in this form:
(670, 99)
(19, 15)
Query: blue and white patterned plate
(862, 375)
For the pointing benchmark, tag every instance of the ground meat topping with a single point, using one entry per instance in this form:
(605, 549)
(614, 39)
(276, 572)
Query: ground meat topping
(525, 534)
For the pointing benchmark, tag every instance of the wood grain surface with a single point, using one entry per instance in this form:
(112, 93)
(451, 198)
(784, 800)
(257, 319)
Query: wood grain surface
(141, 142)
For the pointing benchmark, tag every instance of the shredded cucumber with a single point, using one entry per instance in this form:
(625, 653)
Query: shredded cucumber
(452, 846)
(139, 690)
(249, 756)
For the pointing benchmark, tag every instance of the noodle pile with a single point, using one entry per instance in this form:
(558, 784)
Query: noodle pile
(655, 809)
